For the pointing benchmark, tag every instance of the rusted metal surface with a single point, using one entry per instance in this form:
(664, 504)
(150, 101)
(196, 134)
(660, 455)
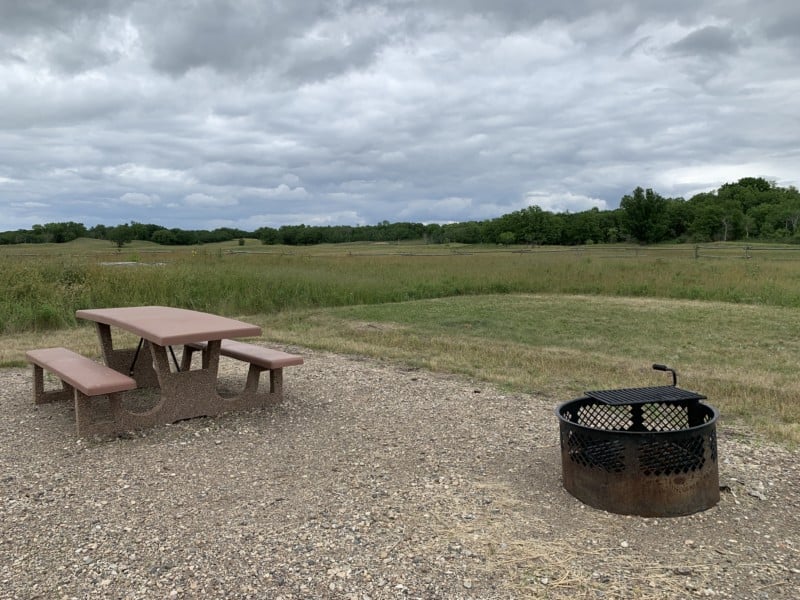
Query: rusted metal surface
(655, 459)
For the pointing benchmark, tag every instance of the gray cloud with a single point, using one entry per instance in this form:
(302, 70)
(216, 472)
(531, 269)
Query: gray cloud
(707, 41)
(36, 16)
(244, 36)
(246, 113)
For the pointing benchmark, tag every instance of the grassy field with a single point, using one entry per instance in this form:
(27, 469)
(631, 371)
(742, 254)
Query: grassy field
(559, 346)
(554, 322)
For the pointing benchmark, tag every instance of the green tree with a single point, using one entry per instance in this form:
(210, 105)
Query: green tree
(99, 232)
(463, 233)
(433, 233)
(507, 237)
(163, 236)
(645, 215)
(267, 235)
(583, 227)
(679, 218)
(64, 232)
(142, 231)
(538, 226)
(715, 218)
(120, 235)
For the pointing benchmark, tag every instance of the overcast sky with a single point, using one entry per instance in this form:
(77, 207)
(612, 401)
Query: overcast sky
(201, 114)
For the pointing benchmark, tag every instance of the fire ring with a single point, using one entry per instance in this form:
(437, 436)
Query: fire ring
(641, 451)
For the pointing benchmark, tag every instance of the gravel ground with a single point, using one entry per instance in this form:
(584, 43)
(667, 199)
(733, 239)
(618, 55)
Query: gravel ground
(370, 481)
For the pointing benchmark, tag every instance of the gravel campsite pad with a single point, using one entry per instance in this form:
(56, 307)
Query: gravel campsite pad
(369, 481)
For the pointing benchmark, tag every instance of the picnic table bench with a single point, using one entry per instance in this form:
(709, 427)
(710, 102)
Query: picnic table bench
(260, 359)
(81, 378)
(183, 392)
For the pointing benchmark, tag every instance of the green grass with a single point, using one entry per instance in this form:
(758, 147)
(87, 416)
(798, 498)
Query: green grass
(44, 290)
(560, 346)
(551, 321)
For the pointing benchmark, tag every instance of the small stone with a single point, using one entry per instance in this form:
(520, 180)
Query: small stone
(624, 544)
(467, 583)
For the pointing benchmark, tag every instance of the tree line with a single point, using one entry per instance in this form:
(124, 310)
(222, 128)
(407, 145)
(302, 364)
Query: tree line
(750, 209)
(119, 234)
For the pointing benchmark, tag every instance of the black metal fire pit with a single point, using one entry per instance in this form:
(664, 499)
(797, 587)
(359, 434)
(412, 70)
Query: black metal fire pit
(642, 451)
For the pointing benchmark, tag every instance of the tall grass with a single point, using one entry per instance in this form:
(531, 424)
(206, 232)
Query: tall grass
(43, 292)
(555, 322)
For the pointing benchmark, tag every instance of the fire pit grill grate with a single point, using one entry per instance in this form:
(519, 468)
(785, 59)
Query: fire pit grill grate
(645, 395)
(646, 451)
(655, 416)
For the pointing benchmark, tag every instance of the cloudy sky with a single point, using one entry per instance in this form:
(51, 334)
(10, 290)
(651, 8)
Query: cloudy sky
(246, 113)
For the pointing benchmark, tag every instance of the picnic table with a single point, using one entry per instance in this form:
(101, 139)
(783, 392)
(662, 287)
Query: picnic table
(184, 392)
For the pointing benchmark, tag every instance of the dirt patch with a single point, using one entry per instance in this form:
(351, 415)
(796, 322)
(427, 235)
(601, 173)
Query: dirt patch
(369, 481)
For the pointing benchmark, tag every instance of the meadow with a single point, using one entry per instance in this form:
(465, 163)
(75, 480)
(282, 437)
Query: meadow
(550, 321)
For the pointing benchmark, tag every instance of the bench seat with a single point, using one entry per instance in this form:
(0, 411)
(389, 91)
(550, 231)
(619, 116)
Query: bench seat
(266, 358)
(84, 374)
(260, 359)
(81, 378)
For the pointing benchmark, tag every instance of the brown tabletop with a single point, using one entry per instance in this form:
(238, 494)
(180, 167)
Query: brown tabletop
(168, 326)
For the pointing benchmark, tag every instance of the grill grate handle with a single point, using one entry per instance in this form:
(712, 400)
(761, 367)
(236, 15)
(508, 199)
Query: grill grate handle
(659, 367)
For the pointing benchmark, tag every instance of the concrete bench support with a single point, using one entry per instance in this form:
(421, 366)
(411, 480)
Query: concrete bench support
(82, 379)
(260, 359)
